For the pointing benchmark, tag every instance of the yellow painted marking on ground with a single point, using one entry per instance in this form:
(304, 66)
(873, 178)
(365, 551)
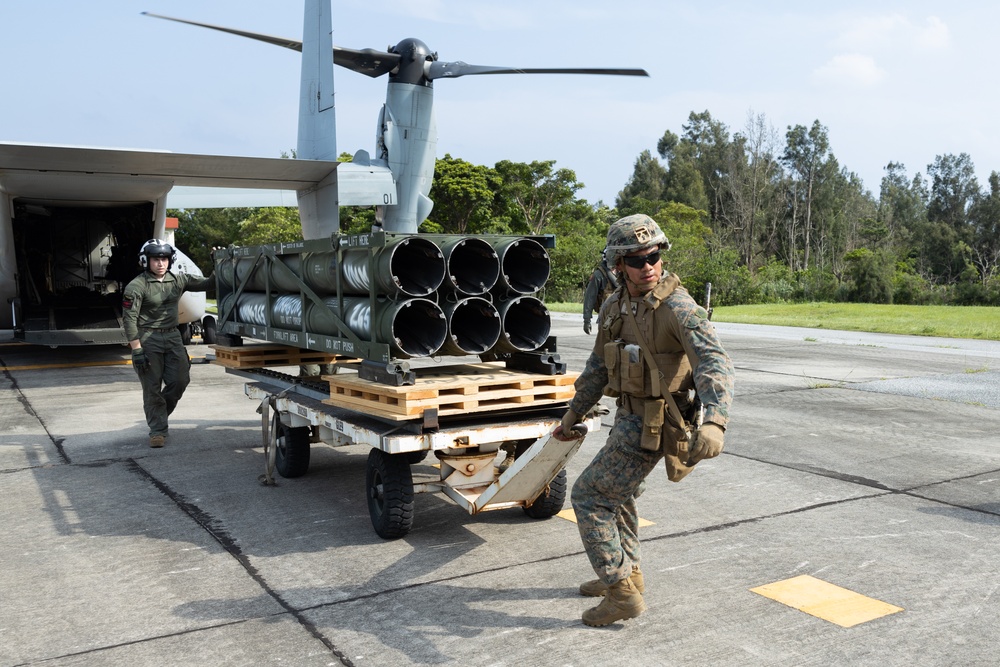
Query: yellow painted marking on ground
(79, 364)
(82, 364)
(825, 600)
(570, 515)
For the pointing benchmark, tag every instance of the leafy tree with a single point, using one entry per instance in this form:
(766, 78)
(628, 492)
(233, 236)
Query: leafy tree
(753, 203)
(199, 230)
(580, 231)
(953, 189)
(689, 237)
(537, 190)
(273, 224)
(648, 182)
(870, 277)
(984, 216)
(463, 196)
(705, 145)
(805, 153)
(902, 206)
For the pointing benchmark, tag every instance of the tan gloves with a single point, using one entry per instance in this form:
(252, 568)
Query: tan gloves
(572, 426)
(707, 442)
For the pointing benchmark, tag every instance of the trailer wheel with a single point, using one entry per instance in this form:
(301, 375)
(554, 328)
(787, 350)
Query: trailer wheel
(414, 458)
(291, 455)
(551, 501)
(209, 330)
(389, 486)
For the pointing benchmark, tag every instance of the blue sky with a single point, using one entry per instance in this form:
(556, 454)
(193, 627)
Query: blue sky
(894, 80)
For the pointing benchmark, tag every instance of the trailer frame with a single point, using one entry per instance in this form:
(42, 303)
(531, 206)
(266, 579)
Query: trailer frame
(531, 474)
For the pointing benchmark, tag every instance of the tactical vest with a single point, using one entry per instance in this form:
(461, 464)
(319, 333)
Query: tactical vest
(628, 372)
(610, 285)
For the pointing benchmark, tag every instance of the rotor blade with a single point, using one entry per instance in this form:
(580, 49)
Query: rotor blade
(365, 61)
(452, 70)
(292, 44)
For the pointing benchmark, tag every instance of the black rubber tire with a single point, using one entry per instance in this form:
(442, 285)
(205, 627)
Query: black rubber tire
(185, 330)
(549, 504)
(209, 331)
(389, 487)
(414, 458)
(291, 456)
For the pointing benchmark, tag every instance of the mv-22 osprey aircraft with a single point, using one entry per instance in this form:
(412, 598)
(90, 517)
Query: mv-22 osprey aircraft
(72, 220)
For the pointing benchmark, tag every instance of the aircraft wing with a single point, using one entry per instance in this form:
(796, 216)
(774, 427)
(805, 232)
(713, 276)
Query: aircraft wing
(28, 170)
(203, 181)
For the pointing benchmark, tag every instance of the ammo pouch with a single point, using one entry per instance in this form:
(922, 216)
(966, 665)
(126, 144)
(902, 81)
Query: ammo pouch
(652, 424)
(626, 369)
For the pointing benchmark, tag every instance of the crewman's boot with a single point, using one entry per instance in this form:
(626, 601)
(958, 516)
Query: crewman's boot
(156, 441)
(596, 588)
(621, 601)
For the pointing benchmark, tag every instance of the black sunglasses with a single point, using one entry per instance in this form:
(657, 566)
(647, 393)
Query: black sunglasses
(639, 261)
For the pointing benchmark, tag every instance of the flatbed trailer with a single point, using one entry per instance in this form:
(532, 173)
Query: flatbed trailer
(487, 460)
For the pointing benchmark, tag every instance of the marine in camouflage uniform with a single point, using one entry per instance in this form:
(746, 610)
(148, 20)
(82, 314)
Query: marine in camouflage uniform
(150, 320)
(687, 352)
(602, 282)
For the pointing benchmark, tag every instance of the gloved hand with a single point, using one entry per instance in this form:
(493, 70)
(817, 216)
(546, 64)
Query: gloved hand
(586, 326)
(707, 442)
(572, 426)
(139, 360)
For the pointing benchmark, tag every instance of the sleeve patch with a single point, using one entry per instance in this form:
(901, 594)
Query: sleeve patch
(127, 303)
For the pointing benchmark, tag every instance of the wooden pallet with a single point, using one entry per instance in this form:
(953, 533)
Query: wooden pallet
(267, 354)
(453, 390)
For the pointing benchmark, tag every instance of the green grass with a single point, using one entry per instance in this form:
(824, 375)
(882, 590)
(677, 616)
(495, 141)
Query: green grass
(981, 322)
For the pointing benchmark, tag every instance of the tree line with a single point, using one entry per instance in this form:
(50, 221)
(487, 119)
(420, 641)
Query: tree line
(764, 218)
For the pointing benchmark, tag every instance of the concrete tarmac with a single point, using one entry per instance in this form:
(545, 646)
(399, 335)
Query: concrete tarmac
(860, 484)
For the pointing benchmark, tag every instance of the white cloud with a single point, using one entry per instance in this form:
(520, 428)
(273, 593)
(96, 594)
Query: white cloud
(895, 32)
(849, 69)
(934, 35)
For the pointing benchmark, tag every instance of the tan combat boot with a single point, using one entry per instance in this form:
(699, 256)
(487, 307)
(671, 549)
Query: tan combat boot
(595, 587)
(621, 601)
(156, 441)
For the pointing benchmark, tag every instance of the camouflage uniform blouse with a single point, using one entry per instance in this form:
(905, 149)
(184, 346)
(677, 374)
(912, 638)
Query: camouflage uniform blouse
(685, 345)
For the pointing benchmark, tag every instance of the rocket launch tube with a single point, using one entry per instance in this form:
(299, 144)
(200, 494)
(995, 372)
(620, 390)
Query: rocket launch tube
(526, 324)
(412, 266)
(473, 266)
(411, 328)
(473, 326)
(280, 277)
(524, 265)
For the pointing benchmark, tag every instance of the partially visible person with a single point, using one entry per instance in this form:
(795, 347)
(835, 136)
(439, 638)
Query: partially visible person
(602, 283)
(654, 344)
(150, 320)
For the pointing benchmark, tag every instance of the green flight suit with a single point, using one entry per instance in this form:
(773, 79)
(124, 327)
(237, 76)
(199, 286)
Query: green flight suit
(150, 315)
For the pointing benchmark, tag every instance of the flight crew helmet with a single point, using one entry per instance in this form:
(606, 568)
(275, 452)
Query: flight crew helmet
(156, 248)
(632, 233)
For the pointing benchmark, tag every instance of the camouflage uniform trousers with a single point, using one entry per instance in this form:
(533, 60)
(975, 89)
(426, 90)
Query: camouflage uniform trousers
(168, 375)
(604, 500)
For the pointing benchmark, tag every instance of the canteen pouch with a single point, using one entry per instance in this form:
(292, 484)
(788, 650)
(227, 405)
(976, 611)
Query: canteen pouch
(676, 452)
(652, 424)
(611, 361)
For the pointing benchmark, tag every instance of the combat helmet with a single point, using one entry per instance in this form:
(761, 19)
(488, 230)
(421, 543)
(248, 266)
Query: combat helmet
(156, 248)
(631, 233)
